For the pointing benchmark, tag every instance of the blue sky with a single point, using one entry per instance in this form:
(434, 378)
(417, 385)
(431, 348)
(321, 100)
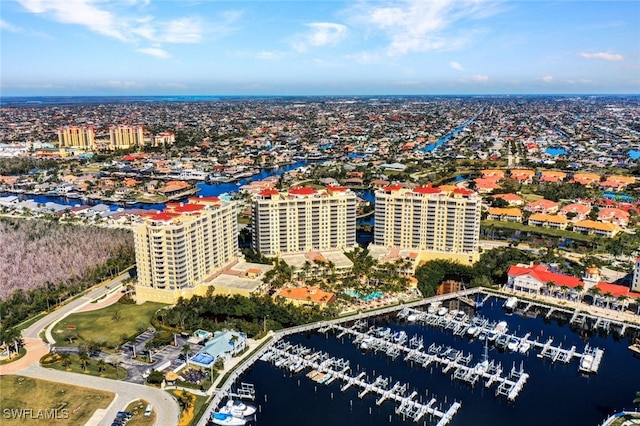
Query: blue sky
(190, 47)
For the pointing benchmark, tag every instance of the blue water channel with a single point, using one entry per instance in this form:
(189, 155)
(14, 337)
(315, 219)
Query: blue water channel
(205, 190)
(432, 146)
(555, 394)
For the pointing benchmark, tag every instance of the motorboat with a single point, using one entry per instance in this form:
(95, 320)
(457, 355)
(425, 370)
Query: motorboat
(586, 363)
(412, 317)
(433, 308)
(460, 316)
(513, 344)
(366, 343)
(218, 418)
(238, 409)
(501, 341)
(501, 327)
(472, 330)
(492, 336)
(524, 346)
(510, 303)
(442, 310)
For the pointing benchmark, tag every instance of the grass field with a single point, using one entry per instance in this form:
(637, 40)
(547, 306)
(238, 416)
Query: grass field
(139, 419)
(32, 400)
(106, 325)
(91, 368)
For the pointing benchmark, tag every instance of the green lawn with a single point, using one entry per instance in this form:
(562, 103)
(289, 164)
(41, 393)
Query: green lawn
(62, 404)
(496, 224)
(91, 368)
(137, 408)
(107, 325)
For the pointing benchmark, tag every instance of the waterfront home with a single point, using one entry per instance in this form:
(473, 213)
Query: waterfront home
(542, 206)
(600, 229)
(535, 278)
(486, 185)
(505, 215)
(493, 173)
(548, 221)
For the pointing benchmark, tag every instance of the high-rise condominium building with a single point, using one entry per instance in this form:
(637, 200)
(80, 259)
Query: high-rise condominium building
(125, 137)
(179, 251)
(440, 223)
(304, 219)
(76, 137)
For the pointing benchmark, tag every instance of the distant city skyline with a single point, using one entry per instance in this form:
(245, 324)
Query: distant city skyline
(306, 47)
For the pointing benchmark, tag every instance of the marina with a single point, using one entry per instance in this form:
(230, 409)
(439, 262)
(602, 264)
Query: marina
(387, 367)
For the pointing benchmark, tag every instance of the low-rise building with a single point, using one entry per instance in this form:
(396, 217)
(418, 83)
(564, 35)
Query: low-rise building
(601, 229)
(505, 215)
(548, 221)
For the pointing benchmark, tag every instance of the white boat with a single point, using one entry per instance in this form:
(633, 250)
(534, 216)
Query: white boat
(238, 409)
(510, 303)
(501, 327)
(586, 363)
(442, 311)
(412, 317)
(433, 308)
(524, 346)
(218, 418)
(366, 343)
(513, 344)
(472, 330)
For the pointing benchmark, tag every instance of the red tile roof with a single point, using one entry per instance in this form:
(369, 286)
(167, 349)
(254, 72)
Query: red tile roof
(395, 187)
(302, 190)
(543, 274)
(162, 216)
(615, 289)
(187, 208)
(268, 192)
(428, 189)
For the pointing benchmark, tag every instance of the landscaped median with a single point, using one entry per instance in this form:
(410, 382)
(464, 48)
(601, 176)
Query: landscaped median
(24, 399)
(82, 364)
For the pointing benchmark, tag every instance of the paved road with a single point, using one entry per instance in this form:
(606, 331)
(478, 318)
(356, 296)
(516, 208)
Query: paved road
(34, 330)
(167, 411)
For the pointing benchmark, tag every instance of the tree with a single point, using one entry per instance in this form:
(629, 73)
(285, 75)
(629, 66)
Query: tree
(65, 359)
(101, 365)
(186, 400)
(149, 346)
(84, 359)
(637, 398)
(186, 349)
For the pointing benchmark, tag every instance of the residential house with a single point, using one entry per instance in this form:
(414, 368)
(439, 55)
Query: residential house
(579, 211)
(548, 221)
(591, 227)
(511, 198)
(542, 206)
(505, 215)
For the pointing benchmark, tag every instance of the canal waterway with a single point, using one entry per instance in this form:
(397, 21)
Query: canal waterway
(555, 394)
(432, 146)
(205, 190)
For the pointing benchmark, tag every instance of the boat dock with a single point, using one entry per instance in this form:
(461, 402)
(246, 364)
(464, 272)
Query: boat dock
(284, 354)
(460, 326)
(380, 339)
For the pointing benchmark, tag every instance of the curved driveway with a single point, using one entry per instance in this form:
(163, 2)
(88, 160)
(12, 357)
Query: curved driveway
(167, 411)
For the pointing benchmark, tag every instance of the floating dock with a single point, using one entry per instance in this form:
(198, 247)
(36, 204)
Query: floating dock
(459, 326)
(338, 369)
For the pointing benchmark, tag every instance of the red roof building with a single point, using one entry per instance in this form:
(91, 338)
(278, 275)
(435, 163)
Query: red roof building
(532, 279)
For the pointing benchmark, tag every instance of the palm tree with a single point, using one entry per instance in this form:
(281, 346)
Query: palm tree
(185, 351)
(84, 359)
(101, 365)
(65, 359)
(637, 399)
(608, 297)
(148, 346)
(594, 292)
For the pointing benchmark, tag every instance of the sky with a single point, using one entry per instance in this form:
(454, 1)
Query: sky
(305, 47)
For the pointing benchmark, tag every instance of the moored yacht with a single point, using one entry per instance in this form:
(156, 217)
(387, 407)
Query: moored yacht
(218, 418)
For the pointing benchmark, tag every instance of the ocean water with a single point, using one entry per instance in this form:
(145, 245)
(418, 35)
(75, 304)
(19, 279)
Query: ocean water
(555, 394)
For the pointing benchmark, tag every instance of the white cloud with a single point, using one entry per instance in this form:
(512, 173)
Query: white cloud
(184, 30)
(456, 66)
(320, 34)
(475, 79)
(156, 52)
(4, 25)
(420, 25)
(122, 21)
(547, 79)
(602, 55)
